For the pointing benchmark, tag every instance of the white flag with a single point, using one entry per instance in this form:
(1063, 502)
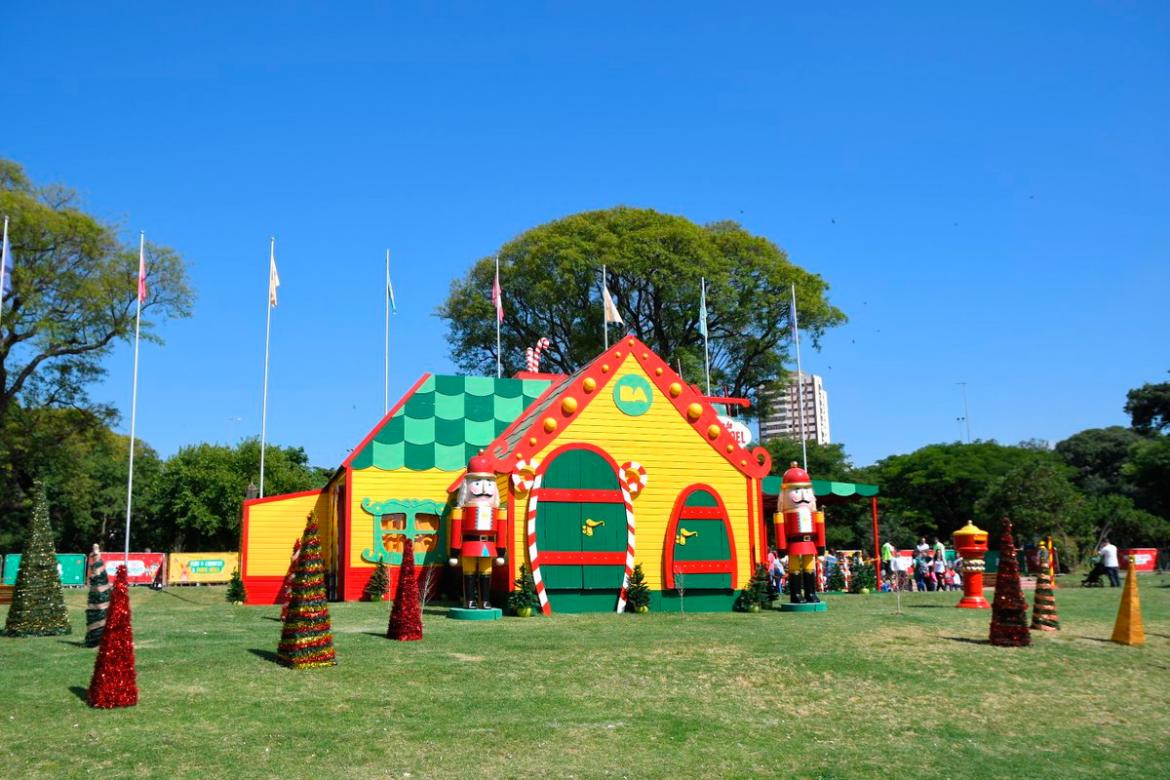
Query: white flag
(611, 312)
(273, 278)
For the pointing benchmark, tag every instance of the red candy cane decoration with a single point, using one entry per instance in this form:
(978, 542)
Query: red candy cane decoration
(532, 355)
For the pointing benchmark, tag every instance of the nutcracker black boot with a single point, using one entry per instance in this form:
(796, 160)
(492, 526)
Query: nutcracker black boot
(794, 587)
(485, 591)
(810, 587)
(469, 591)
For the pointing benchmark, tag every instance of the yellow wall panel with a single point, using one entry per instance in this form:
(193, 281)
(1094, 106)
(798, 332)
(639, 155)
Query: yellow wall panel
(273, 526)
(674, 455)
(378, 485)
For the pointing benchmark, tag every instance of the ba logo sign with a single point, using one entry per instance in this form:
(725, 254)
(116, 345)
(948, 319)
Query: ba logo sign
(633, 395)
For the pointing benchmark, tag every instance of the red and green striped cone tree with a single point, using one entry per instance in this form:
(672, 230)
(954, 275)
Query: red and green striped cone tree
(306, 640)
(285, 592)
(1009, 611)
(1044, 615)
(406, 614)
(99, 599)
(38, 603)
(115, 676)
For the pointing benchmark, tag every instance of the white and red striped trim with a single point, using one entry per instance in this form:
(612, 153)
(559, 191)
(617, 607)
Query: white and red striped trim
(533, 554)
(621, 604)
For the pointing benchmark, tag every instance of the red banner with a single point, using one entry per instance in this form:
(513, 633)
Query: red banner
(1144, 558)
(142, 567)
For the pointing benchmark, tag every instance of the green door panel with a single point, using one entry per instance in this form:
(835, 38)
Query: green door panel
(558, 529)
(708, 543)
(700, 498)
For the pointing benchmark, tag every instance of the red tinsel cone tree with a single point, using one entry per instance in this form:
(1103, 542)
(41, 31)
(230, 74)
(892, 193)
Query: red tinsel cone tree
(406, 614)
(285, 592)
(306, 640)
(115, 679)
(1009, 611)
(1044, 615)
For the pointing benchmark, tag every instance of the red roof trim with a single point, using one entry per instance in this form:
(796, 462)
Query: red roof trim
(250, 502)
(393, 411)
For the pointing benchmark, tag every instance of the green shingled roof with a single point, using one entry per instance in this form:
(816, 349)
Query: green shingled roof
(447, 420)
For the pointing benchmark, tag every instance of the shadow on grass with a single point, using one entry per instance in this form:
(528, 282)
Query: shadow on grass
(968, 640)
(267, 655)
(928, 606)
(379, 634)
(271, 617)
(174, 595)
(81, 693)
(74, 642)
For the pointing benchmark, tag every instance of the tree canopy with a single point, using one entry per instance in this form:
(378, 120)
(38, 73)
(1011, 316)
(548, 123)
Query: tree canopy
(551, 278)
(1149, 408)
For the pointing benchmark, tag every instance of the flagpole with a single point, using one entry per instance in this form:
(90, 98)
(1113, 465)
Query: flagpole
(133, 391)
(267, 335)
(386, 363)
(499, 363)
(799, 381)
(604, 312)
(3, 266)
(706, 339)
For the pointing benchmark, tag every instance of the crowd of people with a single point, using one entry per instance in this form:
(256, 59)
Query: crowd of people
(928, 569)
(827, 564)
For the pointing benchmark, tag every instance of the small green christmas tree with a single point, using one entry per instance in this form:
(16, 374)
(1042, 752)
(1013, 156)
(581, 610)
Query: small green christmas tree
(38, 603)
(524, 597)
(638, 593)
(864, 578)
(235, 589)
(378, 585)
(754, 596)
(836, 579)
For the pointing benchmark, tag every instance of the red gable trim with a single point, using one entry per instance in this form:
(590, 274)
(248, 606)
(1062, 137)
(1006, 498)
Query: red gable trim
(756, 463)
(249, 502)
(393, 411)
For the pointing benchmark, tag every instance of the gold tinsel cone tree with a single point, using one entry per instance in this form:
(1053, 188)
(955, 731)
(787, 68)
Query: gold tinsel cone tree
(306, 640)
(38, 603)
(1009, 611)
(1044, 615)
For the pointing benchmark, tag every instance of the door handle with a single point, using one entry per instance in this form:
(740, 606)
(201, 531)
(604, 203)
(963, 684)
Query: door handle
(587, 529)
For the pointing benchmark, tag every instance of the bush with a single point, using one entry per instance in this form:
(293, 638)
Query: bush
(864, 576)
(754, 596)
(525, 594)
(638, 593)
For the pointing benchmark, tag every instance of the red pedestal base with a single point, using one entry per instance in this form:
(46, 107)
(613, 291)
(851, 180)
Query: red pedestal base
(973, 602)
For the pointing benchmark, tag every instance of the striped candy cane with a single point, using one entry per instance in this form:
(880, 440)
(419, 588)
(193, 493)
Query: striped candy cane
(621, 604)
(532, 354)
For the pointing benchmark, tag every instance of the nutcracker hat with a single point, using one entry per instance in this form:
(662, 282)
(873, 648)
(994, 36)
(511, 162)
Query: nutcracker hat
(480, 466)
(796, 477)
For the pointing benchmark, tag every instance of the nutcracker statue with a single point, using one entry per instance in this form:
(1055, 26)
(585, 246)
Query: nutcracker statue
(477, 531)
(800, 530)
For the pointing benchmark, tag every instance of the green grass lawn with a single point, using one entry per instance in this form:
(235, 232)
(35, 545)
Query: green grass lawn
(859, 691)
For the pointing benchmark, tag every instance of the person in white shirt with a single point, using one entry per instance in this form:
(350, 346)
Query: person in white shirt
(1108, 553)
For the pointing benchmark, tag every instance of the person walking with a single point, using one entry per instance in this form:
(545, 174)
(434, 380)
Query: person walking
(887, 559)
(1108, 553)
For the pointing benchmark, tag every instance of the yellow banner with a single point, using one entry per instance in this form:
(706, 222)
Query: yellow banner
(184, 568)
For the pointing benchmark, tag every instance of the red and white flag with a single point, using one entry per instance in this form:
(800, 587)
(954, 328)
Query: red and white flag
(498, 294)
(141, 274)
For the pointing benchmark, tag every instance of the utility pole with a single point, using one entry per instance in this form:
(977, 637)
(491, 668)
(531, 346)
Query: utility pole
(965, 420)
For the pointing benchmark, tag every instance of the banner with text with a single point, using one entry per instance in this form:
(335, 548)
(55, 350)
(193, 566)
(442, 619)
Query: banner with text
(142, 567)
(189, 568)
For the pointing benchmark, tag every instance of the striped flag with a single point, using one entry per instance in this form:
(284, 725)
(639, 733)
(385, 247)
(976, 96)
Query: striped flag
(273, 277)
(703, 308)
(498, 294)
(142, 274)
(5, 265)
(390, 285)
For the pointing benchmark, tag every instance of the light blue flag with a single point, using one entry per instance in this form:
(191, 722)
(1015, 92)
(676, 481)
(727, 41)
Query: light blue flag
(6, 268)
(703, 308)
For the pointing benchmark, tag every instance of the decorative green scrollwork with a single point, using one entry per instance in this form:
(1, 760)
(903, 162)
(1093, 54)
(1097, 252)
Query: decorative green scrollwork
(404, 515)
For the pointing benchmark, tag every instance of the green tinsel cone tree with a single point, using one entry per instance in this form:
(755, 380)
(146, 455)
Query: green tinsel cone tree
(754, 596)
(638, 593)
(378, 585)
(524, 597)
(235, 589)
(38, 603)
(99, 599)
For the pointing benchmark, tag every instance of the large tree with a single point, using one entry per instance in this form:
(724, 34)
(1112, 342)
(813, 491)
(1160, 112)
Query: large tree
(551, 277)
(1098, 455)
(72, 299)
(1149, 407)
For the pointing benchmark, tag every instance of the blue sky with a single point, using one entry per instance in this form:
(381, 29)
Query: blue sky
(985, 188)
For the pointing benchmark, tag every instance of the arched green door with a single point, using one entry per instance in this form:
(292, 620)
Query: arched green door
(700, 548)
(581, 530)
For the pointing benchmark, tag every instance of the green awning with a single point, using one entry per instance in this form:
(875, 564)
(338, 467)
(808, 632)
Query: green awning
(824, 487)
